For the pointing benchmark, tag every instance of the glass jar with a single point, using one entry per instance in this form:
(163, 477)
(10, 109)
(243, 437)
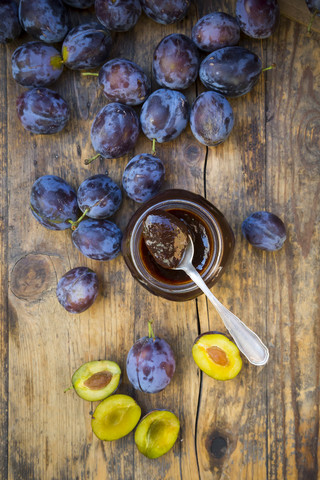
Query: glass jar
(213, 245)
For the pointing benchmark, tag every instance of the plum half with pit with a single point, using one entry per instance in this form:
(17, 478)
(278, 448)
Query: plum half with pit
(96, 380)
(217, 356)
(157, 433)
(264, 230)
(115, 417)
(150, 364)
(166, 238)
(78, 289)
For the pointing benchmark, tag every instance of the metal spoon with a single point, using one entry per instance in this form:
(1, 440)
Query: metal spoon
(247, 341)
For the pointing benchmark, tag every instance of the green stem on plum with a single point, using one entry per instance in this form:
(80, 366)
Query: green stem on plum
(67, 389)
(76, 223)
(151, 334)
(153, 146)
(89, 160)
(269, 68)
(92, 74)
(315, 13)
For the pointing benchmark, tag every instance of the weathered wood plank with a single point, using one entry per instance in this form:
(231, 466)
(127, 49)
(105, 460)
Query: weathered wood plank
(4, 323)
(293, 191)
(268, 418)
(231, 440)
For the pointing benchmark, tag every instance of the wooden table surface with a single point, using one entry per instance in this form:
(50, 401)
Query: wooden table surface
(263, 424)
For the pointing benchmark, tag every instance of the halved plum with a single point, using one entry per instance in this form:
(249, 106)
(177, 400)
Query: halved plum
(115, 417)
(217, 356)
(96, 380)
(157, 433)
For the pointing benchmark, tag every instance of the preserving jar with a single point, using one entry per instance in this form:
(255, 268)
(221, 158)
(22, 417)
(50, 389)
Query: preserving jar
(213, 245)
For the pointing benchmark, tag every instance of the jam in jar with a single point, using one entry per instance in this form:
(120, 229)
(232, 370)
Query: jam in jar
(211, 234)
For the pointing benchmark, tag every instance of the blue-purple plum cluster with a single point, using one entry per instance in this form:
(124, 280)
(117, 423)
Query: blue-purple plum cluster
(264, 230)
(86, 46)
(77, 289)
(53, 202)
(10, 27)
(216, 30)
(175, 62)
(124, 81)
(143, 177)
(36, 64)
(165, 11)
(45, 20)
(257, 18)
(42, 111)
(118, 15)
(115, 130)
(99, 196)
(150, 364)
(164, 115)
(231, 71)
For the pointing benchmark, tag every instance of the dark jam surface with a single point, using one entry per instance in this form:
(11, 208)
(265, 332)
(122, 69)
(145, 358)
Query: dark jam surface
(203, 249)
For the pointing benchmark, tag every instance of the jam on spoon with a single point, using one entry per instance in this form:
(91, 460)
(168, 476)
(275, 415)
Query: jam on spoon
(166, 238)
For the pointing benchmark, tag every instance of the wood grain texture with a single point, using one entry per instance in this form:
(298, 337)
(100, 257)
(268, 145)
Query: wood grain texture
(262, 425)
(4, 323)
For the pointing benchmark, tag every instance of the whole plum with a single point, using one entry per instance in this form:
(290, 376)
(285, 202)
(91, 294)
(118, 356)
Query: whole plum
(46, 20)
(86, 46)
(79, 3)
(264, 230)
(115, 130)
(143, 177)
(150, 364)
(53, 202)
(99, 196)
(211, 118)
(175, 62)
(10, 27)
(257, 18)
(118, 15)
(98, 239)
(165, 11)
(78, 289)
(216, 30)
(36, 64)
(231, 71)
(42, 111)
(314, 6)
(164, 115)
(124, 81)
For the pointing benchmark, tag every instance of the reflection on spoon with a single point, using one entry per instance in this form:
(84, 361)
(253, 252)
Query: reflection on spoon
(171, 245)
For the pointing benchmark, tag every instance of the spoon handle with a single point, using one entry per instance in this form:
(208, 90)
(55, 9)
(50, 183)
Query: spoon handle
(247, 341)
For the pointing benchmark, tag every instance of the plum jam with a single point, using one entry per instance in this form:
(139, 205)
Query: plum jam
(211, 234)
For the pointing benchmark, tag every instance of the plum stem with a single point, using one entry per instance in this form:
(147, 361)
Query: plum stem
(269, 68)
(90, 160)
(153, 146)
(76, 223)
(315, 13)
(151, 334)
(87, 74)
(67, 389)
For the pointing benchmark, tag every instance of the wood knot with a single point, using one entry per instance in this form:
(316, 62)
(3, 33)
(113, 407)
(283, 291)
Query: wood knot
(219, 446)
(31, 276)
